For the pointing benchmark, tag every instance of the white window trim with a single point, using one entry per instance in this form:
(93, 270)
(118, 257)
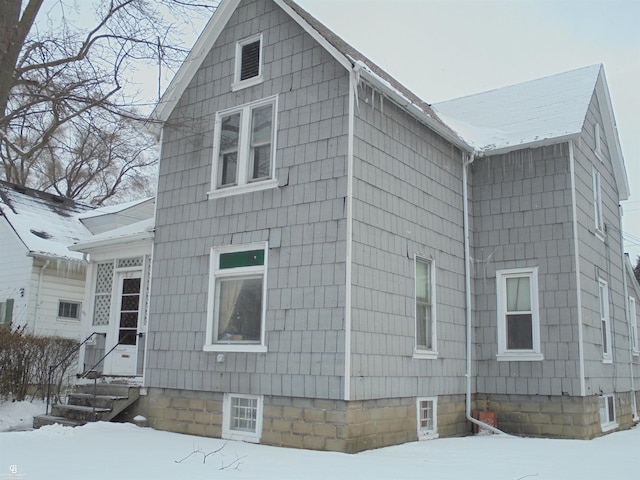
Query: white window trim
(243, 185)
(633, 318)
(607, 424)
(427, 434)
(598, 142)
(604, 317)
(598, 212)
(210, 345)
(228, 433)
(535, 354)
(249, 82)
(418, 352)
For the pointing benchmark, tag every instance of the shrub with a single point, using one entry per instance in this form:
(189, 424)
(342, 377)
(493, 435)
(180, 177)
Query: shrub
(25, 359)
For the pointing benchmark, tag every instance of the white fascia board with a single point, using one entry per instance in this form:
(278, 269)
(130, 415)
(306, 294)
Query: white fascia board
(87, 247)
(192, 63)
(411, 107)
(611, 132)
(545, 142)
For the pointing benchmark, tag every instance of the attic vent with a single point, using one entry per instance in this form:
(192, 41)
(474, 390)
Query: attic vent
(41, 234)
(57, 199)
(250, 66)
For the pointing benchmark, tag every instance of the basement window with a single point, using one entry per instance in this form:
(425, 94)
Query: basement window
(427, 418)
(248, 67)
(242, 417)
(608, 413)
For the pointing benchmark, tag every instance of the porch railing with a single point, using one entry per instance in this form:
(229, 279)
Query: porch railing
(53, 368)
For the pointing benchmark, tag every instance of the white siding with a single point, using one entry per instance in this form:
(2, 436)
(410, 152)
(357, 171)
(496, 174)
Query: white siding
(15, 269)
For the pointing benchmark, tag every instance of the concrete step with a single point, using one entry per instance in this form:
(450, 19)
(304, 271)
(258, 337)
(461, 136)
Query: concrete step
(79, 413)
(114, 389)
(42, 420)
(89, 400)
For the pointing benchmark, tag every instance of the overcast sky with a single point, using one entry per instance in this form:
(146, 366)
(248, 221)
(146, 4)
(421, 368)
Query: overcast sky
(442, 49)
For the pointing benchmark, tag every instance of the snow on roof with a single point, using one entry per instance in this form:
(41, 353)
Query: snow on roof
(110, 209)
(142, 230)
(45, 223)
(527, 113)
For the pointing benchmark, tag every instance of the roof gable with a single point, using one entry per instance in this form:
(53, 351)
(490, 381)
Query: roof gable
(346, 55)
(535, 113)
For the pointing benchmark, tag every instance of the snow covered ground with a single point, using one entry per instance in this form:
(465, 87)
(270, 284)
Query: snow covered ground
(124, 451)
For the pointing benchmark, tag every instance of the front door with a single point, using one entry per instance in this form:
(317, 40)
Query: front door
(124, 358)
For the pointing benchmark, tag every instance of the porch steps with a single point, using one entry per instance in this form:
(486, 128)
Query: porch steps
(91, 403)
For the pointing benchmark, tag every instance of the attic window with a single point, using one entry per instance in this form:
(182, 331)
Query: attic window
(598, 142)
(248, 69)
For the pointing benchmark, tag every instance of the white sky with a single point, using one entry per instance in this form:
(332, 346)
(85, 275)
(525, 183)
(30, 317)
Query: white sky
(443, 49)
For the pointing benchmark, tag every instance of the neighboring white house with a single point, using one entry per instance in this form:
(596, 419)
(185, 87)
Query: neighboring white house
(41, 280)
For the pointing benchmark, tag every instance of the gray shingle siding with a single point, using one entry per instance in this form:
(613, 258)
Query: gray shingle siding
(407, 200)
(523, 218)
(303, 220)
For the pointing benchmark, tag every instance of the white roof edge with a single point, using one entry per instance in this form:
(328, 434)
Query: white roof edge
(613, 140)
(114, 209)
(534, 144)
(412, 108)
(86, 247)
(57, 258)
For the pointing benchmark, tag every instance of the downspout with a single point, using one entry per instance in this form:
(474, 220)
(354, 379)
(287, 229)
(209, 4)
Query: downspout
(40, 277)
(353, 85)
(467, 281)
(576, 252)
(145, 356)
(627, 311)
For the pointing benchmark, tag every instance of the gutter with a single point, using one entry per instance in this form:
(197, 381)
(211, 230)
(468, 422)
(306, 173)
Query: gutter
(467, 280)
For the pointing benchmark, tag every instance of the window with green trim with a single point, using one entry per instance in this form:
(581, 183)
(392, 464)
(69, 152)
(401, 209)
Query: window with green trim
(236, 297)
(6, 311)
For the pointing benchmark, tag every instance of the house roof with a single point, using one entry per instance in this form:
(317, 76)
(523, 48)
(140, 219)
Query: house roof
(110, 217)
(46, 224)
(141, 231)
(344, 53)
(535, 113)
(510, 117)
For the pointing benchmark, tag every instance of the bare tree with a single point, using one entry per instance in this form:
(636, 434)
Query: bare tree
(65, 89)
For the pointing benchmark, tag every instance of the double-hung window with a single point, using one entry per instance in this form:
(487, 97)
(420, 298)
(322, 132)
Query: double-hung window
(244, 149)
(248, 66)
(518, 316)
(597, 202)
(237, 291)
(605, 323)
(425, 308)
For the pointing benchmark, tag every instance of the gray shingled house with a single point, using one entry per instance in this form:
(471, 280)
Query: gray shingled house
(338, 265)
